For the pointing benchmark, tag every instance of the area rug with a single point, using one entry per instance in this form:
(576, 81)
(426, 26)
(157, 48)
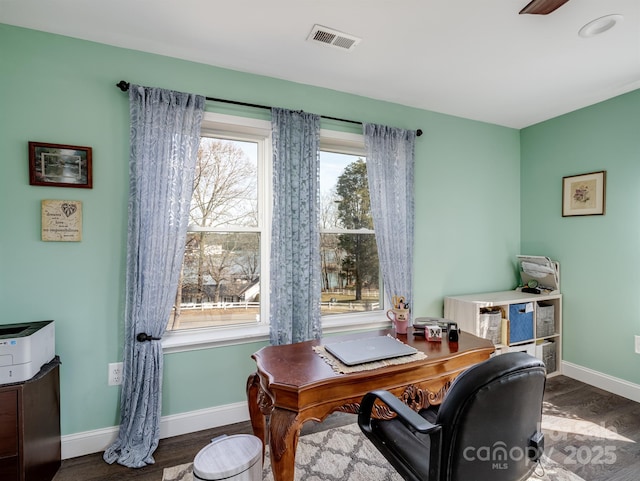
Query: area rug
(344, 454)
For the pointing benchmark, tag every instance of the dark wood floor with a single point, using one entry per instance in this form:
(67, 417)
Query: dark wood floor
(604, 442)
(607, 446)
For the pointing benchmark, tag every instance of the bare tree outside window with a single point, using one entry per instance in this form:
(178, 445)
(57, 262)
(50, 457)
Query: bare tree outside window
(219, 283)
(225, 186)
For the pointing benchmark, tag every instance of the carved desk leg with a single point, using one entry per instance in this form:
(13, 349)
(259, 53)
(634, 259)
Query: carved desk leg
(254, 393)
(284, 430)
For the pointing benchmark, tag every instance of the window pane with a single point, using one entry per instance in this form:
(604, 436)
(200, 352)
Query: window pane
(219, 284)
(350, 273)
(225, 189)
(220, 281)
(344, 192)
(350, 268)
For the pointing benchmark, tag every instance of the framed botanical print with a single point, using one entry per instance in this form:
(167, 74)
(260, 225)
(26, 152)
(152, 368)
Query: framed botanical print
(584, 194)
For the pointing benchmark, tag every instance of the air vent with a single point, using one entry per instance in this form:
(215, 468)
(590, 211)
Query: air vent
(333, 38)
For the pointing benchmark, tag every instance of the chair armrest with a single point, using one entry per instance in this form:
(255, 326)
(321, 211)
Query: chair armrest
(399, 446)
(404, 413)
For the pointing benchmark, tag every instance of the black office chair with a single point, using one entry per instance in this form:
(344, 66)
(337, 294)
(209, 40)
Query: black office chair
(486, 429)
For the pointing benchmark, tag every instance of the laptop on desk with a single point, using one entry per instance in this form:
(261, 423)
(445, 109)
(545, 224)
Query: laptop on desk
(360, 351)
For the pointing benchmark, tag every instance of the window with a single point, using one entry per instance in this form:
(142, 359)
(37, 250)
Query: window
(349, 256)
(223, 294)
(220, 283)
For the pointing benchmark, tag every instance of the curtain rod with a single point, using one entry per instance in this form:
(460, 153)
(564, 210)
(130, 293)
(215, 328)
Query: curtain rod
(124, 86)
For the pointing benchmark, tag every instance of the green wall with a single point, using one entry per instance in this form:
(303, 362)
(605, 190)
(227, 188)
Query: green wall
(598, 255)
(61, 90)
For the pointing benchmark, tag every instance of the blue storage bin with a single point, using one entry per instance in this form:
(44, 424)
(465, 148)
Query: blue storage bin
(520, 322)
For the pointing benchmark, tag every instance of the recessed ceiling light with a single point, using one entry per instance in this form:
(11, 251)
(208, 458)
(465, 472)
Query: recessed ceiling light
(600, 25)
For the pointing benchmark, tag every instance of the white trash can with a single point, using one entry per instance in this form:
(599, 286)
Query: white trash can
(232, 458)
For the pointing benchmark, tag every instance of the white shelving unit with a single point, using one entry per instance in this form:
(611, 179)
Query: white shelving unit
(526, 322)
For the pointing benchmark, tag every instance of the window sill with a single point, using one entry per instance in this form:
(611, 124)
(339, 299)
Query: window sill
(196, 339)
(354, 322)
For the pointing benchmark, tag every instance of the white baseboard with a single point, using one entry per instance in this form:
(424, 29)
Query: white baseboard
(603, 381)
(98, 440)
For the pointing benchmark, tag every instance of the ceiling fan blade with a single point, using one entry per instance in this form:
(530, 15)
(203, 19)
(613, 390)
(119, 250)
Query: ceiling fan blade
(543, 7)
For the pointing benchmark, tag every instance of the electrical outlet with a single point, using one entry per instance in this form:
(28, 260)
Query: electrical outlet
(637, 344)
(115, 374)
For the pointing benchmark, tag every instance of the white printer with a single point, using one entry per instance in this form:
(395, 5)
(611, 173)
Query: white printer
(24, 349)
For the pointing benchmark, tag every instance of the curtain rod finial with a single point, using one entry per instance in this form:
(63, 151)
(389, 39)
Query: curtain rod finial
(122, 85)
(419, 132)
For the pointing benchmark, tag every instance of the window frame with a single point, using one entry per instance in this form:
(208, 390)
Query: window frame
(258, 130)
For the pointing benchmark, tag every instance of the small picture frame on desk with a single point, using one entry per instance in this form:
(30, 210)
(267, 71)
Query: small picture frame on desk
(584, 194)
(58, 165)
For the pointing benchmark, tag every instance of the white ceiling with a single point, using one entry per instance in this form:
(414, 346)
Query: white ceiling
(476, 59)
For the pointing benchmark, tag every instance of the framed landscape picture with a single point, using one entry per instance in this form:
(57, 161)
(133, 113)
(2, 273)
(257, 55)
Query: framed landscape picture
(58, 165)
(584, 194)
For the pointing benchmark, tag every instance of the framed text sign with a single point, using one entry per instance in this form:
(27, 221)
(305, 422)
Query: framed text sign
(62, 220)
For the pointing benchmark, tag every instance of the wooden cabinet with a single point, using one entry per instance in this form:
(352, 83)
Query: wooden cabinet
(514, 321)
(30, 427)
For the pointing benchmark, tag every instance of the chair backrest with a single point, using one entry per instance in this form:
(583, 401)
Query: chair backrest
(488, 417)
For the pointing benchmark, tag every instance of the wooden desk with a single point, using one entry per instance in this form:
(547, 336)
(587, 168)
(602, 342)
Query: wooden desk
(293, 385)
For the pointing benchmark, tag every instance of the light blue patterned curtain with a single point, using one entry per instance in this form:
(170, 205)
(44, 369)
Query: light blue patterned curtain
(165, 133)
(390, 163)
(295, 245)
